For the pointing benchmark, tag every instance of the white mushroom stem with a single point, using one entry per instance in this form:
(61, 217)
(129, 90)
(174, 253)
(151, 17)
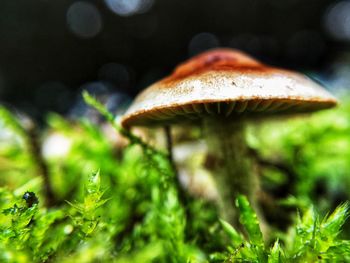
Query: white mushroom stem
(231, 166)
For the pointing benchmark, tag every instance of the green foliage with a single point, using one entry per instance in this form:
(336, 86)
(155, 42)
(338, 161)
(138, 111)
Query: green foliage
(124, 205)
(25, 233)
(87, 218)
(309, 240)
(313, 152)
(250, 249)
(313, 239)
(250, 221)
(15, 154)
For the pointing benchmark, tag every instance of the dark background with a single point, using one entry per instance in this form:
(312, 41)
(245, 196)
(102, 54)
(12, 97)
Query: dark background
(51, 50)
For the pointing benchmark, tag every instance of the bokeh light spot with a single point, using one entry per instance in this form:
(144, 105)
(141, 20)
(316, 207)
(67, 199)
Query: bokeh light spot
(56, 146)
(129, 7)
(84, 20)
(337, 20)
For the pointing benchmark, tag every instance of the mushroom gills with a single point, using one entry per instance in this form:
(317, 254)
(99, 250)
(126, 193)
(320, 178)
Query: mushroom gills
(196, 111)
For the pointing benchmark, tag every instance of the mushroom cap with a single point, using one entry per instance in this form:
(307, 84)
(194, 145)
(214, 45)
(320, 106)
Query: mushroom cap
(225, 83)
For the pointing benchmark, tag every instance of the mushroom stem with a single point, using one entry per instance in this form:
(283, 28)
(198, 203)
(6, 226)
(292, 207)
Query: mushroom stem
(230, 163)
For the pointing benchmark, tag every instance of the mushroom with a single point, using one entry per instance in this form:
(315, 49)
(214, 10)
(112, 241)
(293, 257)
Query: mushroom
(223, 89)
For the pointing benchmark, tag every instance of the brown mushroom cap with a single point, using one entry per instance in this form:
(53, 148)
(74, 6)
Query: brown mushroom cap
(228, 83)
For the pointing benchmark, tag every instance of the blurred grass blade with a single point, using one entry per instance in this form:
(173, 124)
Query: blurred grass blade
(275, 255)
(332, 224)
(11, 121)
(235, 238)
(91, 101)
(250, 221)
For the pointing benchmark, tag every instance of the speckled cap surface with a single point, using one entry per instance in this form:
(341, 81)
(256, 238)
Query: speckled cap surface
(225, 83)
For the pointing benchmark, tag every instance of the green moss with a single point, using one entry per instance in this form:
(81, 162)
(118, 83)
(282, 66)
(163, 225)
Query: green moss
(132, 210)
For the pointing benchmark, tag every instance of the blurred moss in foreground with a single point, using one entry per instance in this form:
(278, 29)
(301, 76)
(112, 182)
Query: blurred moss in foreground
(126, 206)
